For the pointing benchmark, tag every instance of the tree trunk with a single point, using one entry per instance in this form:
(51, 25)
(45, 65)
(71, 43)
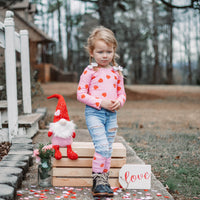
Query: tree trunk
(60, 56)
(68, 28)
(170, 65)
(156, 71)
(189, 70)
(59, 28)
(106, 13)
(52, 26)
(42, 16)
(189, 51)
(198, 52)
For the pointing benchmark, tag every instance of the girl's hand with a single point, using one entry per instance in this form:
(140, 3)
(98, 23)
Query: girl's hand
(107, 104)
(115, 105)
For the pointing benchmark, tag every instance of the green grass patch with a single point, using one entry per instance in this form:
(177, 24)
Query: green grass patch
(175, 160)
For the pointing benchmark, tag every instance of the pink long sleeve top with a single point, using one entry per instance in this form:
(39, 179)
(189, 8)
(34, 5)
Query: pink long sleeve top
(103, 83)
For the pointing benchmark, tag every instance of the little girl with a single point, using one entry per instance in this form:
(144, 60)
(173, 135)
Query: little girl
(101, 88)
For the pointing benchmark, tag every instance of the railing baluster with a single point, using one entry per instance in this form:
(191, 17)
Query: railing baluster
(11, 80)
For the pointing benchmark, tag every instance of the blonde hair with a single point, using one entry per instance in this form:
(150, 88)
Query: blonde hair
(105, 34)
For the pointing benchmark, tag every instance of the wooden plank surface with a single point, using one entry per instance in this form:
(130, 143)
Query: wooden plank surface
(4, 104)
(87, 182)
(86, 149)
(85, 162)
(80, 172)
(26, 120)
(29, 119)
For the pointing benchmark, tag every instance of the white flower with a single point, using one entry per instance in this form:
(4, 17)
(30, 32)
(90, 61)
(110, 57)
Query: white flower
(92, 65)
(119, 68)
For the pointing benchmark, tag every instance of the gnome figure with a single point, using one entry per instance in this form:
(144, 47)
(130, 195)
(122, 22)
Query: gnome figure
(62, 129)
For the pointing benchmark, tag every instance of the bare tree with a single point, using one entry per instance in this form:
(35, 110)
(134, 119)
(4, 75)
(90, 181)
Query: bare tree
(58, 6)
(106, 10)
(106, 13)
(187, 43)
(197, 47)
(156, 70)
(68, 28)
(195, 4)
(50, 11)
(146, 43)
(169, 68)
(188, 51)
(7, 3)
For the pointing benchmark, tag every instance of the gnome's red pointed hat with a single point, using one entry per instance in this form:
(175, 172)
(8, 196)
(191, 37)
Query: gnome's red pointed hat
(61, 108)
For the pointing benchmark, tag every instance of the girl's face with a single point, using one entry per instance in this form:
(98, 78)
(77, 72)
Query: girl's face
(102, 53)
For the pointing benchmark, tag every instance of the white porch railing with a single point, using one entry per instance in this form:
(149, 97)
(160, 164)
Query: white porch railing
(12, 41)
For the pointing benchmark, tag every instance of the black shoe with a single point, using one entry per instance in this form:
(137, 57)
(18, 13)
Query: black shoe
(99, 188)
(108, 188)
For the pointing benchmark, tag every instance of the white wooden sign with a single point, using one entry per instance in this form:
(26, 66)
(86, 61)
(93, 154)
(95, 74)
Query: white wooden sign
(135, 176)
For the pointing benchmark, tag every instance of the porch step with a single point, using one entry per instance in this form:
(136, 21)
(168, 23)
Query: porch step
(4, 104)
(3, 110)
(26, 120)
(27, 123)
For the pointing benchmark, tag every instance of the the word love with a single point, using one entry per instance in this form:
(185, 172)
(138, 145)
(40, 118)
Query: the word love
(135, 176)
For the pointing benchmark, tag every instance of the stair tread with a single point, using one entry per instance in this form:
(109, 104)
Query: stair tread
(26, 120)
(4, 104)
(30, 118)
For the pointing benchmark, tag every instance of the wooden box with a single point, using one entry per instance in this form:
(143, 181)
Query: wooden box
(78, 172)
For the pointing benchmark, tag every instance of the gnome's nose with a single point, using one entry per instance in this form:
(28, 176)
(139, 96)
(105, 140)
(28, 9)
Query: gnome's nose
(62, 122)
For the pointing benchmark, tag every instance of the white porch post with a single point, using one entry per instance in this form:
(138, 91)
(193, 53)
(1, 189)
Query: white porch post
(25, 66)
(11, 81)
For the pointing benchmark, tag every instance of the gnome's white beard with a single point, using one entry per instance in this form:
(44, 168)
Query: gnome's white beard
(62, 128)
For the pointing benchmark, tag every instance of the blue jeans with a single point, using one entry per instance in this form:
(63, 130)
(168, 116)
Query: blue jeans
(102, 126)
